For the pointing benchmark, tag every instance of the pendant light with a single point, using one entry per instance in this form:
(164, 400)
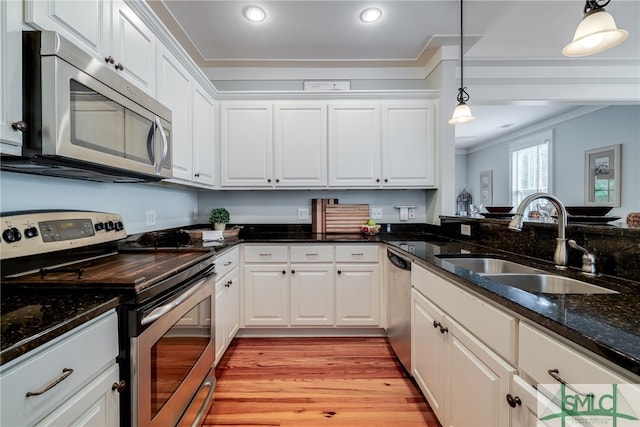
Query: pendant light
(462, 113)
(596, 32)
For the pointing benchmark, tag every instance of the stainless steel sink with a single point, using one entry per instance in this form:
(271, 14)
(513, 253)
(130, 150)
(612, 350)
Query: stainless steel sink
(485, 265)
(548, 284)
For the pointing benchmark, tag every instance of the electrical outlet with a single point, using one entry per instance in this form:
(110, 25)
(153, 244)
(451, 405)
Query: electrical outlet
(412, 213)
(195, 214)
(303, 213)
(376, 213)
(465, 229)
(151, 217)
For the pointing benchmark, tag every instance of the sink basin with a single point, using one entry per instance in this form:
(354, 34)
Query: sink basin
(485, 265)
(548, 284)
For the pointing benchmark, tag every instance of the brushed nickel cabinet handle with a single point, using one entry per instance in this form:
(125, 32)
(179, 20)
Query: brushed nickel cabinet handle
(555, 374)
(63, 376)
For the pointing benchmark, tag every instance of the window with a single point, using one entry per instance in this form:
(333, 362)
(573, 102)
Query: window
(531, 168)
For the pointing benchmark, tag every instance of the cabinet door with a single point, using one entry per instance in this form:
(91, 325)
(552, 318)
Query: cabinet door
(82, 22)
(408, 145)
(10, 76)
(97, 404)
(232, 306)
(525, 413)
(357, 294)
(354, 145)
(427, 351)
(174, 91)
(133, 45)
(220, 315)
(246, 145)
(478, 381)
(312, 294)
(266, 297)
(300, 145)
(203, 136)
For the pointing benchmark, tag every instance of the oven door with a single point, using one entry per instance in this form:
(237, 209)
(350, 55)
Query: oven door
(174, 355)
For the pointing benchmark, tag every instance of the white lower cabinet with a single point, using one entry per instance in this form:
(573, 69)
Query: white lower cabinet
(306, 285)
(80, 364)
(227, 301)
(464, 380)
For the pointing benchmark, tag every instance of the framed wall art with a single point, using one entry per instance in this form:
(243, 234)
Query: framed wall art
(486, 188)
(602, 176)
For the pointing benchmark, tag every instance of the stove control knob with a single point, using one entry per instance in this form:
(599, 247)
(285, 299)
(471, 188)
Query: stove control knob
(109, 226)
(119, 226)
(30, 232)
(11, 235)
(99, 226)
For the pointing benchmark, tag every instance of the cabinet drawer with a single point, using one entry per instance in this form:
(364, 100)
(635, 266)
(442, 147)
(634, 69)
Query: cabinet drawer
(357, 253)
(539, 353)
(266, 253)
(316, 253)
(88, 350)
(227, 262)
(494, 327)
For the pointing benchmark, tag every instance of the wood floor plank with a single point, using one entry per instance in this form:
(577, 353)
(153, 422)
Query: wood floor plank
(315, 382)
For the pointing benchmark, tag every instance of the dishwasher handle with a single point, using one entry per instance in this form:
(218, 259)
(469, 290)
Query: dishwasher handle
(398, 261)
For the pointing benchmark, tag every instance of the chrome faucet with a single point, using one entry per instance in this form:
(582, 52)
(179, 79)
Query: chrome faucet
(561, 256)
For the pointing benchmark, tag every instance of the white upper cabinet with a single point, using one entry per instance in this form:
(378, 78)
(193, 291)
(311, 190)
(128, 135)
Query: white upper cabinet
(108, 30)
(354, 145)
(174, 91)
(10, 76)
(203, 136)
(132, 45)
(246, 145)
(300, 145)
(408, 144)
(82, 22)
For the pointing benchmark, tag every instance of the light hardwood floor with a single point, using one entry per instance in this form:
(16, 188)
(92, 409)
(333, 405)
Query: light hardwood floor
(315, 382)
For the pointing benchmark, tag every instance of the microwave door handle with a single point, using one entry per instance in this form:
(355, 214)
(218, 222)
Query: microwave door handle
(151, 149)
(165, 146)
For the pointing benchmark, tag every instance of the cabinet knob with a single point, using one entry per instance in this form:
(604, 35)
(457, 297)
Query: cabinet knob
(119, 386)
(229, 283)
(386, 180)
(119, 66)
(293, 272)
(377, 179)
(197, 175)
(19, 126)
(436, 324)
(269, 180)
(444, 329)
(109, 59)
(284, 272)
(339, 271)
(513, 401)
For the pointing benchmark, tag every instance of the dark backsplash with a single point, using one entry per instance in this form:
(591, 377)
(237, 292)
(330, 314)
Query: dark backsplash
(617, 250)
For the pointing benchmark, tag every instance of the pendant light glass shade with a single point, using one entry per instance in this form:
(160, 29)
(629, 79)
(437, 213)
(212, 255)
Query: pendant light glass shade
(461, 115)
(596, 32)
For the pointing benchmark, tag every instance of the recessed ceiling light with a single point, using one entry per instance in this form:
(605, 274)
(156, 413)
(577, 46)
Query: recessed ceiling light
(254, 13)
(371, 14)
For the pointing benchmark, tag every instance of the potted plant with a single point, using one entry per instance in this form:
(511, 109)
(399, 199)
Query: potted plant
(219, 217)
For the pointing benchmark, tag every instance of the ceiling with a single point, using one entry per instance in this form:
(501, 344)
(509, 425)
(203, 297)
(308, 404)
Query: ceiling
(301, 39)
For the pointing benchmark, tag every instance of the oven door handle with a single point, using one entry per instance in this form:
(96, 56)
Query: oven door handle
(158, 312)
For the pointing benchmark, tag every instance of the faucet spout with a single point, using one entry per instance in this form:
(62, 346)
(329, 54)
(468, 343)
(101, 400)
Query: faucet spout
(560, 257)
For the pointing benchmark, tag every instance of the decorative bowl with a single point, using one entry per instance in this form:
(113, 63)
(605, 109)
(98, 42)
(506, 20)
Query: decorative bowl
(498, 209)
(588, 210)
(370, 230)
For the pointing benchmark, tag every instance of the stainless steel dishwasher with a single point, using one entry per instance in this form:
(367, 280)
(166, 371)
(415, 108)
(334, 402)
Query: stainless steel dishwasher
(399, 307)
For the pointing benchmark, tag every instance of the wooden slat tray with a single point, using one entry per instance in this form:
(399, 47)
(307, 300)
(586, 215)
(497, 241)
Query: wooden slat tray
(346, 218)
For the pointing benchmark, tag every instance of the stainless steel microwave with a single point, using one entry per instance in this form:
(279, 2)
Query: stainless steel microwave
(83, 120)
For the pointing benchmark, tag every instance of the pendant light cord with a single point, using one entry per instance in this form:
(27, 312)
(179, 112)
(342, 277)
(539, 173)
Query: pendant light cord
(463, 96)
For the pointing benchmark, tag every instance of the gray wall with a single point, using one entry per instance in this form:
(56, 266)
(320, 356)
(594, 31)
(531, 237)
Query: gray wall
(608, 126)
(174, 207)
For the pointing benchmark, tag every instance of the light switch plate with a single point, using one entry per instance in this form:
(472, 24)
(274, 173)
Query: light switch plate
(465, 229)
(376, 213)
(303, 213)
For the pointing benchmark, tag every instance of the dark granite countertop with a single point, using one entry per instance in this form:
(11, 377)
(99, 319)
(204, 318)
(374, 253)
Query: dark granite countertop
(31, 318)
